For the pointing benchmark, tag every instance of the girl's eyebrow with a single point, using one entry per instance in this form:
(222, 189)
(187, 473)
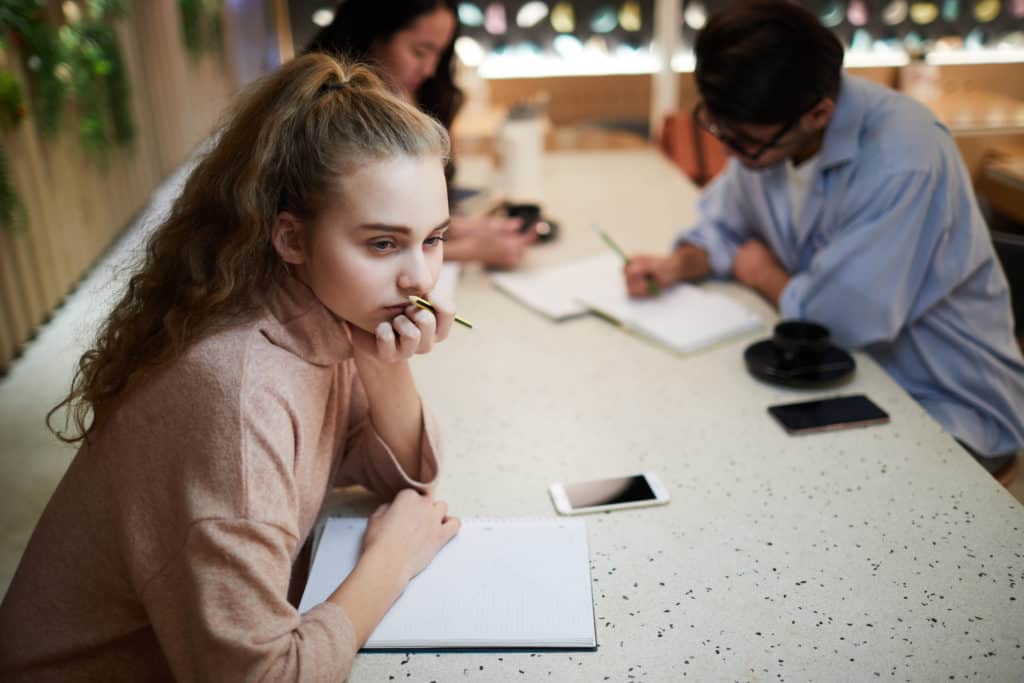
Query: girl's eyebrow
(401, 228)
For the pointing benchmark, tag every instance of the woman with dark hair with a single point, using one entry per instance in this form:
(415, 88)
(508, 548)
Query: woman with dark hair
(411, 43)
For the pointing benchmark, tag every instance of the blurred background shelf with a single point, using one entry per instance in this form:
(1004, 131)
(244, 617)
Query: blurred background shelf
(611, 72)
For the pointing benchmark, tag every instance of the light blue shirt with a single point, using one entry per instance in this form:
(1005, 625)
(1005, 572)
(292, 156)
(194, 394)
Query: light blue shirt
(893, 255)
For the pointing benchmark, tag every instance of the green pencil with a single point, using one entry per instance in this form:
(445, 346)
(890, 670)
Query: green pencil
(426, 305)
(652, 286)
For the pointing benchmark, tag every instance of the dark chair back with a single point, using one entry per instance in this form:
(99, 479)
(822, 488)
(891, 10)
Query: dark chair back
(1010, 249)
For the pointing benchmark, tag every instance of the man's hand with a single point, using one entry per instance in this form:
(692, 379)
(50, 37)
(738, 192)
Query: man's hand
(756, 266)
(647, 273)
(495, 241)
(687, 263)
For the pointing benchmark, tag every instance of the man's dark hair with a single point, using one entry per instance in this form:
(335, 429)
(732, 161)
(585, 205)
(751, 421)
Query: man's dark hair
(358, 24)
(766, 62)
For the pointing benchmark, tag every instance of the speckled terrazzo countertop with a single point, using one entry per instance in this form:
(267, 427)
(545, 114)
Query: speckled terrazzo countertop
(878, 553)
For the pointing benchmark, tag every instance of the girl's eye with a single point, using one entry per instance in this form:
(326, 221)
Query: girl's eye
(382, 246)
(435, 240)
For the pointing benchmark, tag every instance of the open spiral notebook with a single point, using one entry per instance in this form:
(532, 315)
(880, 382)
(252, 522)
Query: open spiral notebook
(684, 318)
(501, 583)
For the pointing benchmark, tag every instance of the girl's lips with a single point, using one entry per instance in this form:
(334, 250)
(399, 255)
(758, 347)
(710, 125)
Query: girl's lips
(395, 311)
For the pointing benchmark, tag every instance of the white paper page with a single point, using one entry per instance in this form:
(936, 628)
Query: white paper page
(499, 583)
(684, 318)
(555, 291)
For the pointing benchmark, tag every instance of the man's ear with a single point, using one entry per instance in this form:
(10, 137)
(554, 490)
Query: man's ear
(818, 117)
(288, 236)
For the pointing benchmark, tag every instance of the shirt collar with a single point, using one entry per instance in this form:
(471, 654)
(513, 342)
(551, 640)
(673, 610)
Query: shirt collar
(842, 137)
(300, 324)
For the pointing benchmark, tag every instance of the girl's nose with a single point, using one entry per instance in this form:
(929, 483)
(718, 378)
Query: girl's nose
(414, 277)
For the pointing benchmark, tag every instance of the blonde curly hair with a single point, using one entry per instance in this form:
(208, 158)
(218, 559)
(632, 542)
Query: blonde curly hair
(286, 145)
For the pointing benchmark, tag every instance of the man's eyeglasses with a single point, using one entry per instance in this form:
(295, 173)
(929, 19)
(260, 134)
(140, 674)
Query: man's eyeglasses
(738, 144)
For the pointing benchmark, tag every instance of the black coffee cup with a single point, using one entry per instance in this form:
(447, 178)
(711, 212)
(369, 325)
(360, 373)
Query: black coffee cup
(801, 342)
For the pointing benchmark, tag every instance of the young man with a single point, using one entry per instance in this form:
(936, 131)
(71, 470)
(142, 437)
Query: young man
(847, 203)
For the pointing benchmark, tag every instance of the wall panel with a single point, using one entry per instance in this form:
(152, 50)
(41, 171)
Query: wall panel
(77, 206)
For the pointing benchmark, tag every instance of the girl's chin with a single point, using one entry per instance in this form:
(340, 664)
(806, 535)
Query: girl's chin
(362, 323)
(369, 326)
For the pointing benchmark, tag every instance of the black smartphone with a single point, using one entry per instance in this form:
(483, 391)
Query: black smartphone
(831, 413)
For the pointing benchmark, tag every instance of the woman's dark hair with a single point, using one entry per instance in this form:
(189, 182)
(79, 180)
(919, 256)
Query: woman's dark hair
(359, 24)
(766, 62)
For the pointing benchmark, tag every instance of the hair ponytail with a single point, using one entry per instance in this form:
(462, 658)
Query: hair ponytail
(286, 145)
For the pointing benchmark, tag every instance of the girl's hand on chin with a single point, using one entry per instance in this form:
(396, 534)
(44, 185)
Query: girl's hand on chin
(415, 331)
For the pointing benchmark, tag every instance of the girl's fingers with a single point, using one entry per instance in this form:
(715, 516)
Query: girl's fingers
(409, 336)
(511, 225)
(415, 331)
(444, 314)
(449, 528)
(386, 343)
(426, 321)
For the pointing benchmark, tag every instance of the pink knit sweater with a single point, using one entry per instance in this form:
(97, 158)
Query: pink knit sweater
(166, 550)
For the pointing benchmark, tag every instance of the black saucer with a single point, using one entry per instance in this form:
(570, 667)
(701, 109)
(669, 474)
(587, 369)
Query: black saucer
(764, 361)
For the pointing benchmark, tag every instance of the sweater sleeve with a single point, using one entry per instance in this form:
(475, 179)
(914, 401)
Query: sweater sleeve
(223, 513)
(370, 462)
(220, 613)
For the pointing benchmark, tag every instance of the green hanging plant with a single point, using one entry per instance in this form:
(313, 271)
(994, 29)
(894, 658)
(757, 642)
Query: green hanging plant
(12, 102)
(191, 28)
(84, 57)
(12, 214)
(26, 22)
(202, 26)
(91, 62)
(12, 111)
(112, 9)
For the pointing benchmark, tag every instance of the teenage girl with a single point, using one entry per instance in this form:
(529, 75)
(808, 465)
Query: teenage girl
(258, 357)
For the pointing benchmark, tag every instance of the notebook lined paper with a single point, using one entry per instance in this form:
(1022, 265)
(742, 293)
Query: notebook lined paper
(555, 292)
(684, 317)
(501, 583)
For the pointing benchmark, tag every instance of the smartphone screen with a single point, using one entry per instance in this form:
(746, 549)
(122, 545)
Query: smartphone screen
(830, 413)
(585, 494)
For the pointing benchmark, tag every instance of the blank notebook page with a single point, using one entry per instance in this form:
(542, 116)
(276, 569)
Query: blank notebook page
(555, 291)
(499, 583)
(683, 317)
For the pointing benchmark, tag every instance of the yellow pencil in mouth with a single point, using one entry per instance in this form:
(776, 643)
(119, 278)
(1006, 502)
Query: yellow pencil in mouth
(426, 305)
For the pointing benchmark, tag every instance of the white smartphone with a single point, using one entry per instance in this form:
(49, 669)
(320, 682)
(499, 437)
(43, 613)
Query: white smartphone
(598, 495)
